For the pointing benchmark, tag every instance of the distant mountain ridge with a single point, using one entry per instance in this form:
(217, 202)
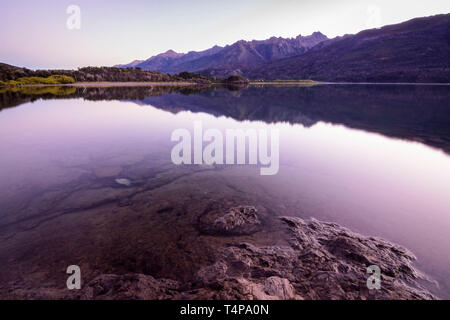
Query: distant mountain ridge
(130, 65)
(220, 61)
(417, 50)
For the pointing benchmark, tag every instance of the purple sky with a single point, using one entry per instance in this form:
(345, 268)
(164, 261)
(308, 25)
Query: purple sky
(34, 33)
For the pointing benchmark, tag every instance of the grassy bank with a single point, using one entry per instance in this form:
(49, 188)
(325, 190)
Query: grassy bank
(51, 80)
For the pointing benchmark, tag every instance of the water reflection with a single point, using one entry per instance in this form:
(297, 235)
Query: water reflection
(419, 113)
(63, 154)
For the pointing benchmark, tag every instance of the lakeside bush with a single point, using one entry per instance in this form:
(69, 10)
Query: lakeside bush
(55, 79)
(26, 76)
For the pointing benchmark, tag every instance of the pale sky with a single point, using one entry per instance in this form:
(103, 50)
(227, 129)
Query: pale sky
(34, 34)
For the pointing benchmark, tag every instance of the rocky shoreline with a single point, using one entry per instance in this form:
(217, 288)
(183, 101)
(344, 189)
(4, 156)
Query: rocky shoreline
(322, 261)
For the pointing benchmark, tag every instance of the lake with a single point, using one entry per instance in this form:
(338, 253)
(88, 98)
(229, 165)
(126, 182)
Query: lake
(86, 176)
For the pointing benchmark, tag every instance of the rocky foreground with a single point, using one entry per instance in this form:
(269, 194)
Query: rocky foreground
(323, 261)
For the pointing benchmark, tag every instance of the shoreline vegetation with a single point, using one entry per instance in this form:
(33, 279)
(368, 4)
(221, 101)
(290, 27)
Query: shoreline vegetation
(11, 76)
(113, 84)
(67, 81)
(299, 83)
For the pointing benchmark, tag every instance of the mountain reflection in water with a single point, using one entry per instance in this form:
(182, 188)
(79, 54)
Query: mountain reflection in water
(412, 112)
(374, 158)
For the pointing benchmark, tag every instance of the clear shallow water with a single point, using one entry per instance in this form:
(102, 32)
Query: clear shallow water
(372, 158)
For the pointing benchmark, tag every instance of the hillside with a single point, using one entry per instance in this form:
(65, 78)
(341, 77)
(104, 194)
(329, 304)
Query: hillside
(99, 74)
(221, 61)
(417, 50)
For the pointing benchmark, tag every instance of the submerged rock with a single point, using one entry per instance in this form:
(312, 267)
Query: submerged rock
(124, 182)
(322, 261)
(106, 172)
(272, 288)
(129, 287)
(236, 221)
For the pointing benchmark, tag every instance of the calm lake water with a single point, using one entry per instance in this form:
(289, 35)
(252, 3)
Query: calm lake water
(373, 158)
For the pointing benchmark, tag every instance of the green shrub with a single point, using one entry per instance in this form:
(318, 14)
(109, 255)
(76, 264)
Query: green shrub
(11, 83)
(56, 79)
(61, 79)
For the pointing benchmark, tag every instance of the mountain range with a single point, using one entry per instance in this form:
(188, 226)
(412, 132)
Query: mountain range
(417, 50)
(230, 59)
